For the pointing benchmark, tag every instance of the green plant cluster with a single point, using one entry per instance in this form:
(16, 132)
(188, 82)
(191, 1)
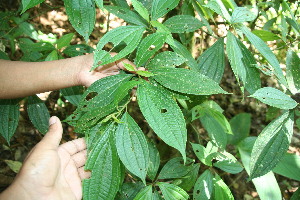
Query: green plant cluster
(172, 93)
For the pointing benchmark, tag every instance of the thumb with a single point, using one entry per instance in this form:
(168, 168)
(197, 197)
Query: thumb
(54, 134)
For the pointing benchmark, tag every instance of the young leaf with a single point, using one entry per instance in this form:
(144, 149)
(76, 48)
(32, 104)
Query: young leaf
(132, 147)
(9, 118)
(275, 98)
(240, 126)
(129, 190)
(144, 73)
(139, 7)
(104, 163)
(289, 166)
(166, 59)
(160, 8)
(293, 71)
(149, 46)
(154, 160)
(183, 23)
(64, 40)
(204, 186)
(212, 62)
(221, 190)
(219, 8)
(26, 4)
(174, 168)
(242, 63)
(186, 81)
(72, 94)
(163, 115)
(130, 35)
(129, 67)
(126, 14)
(52, 56)
(242, 14)
(188, 182)
(271, 145)
(171, 192)
(38, 113)
(82, 15)
(144, 194)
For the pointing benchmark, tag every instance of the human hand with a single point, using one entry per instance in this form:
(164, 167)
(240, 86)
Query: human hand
(51, 171)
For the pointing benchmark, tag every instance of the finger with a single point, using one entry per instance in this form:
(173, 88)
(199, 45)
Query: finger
(54, 134)
(80, 158)
(84, 174)
(74, 146)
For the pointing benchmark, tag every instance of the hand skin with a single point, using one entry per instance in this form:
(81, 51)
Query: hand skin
(20, 79)
(50, 171)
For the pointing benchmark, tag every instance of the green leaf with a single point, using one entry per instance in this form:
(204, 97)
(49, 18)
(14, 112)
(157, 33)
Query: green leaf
(163, 115)
(154, 160)
(204, 186)
(219, 8)
(26, 4)
(293, 23)
(266, 35)
(126, 14)
(275, 98)
(28, 30)
(72, 94)
(156, 196)
(240, 126)
(171, 192)
(129, 191)
(132, 147)
(186, 81)
(266, 52)
(271, 145)
(129, 67)
(221, 190)
(123, 89)
(289, 166)
(159, 8)
(52, 56)
(183, 23)
(104, 164)
(212, 62)
(82, 15)
(99, 3)
(130, 35)
(149, 45)
(243, 63)
(144, 194)
(293, 71)
(9, 118)
(266, 186)
(64, 40)
(15, 166)
(229, 165)
(188, 182)
(144, 73)
(38, 113)
(242, 14)
(296, 195)
(77, 50)
(166, 59)
(3, 55)
(139, 7)
(174, 168)
(205, 154)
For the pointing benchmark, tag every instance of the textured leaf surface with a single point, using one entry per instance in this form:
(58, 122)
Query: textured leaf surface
(144, 194)
(132, 147)
(204, 186)
(188, 182)
(82, 15)
(289, 166)
(271, 145)
(205, 154)
(166, 59)
(293, 71)
(163, 115)
(230, 166)
(160, 8)
(130, 35)
(77, 50)
(240, 126)
(174, 168)
(221, 190)
(242, 14)
(72, 94)
(64, 40)
(275, 98)
(242, 63)
(140, 8)
(104, 163)
(154, 160)
(211, 63)
(38, 113)
(129, 190)
(26, 4)
(266, 35)
(219, 8)
(171, 192)
(296, 195)
(9, 117)
(99, 3)
(186, 81)
(149, 46)
(183, 23)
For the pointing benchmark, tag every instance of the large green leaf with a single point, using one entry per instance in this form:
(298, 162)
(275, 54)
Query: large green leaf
(271, 145)
(104, 163)
(186, 81)
(26, 4)
(171, 192)
(228, 164)
(73, 94)
(240, 126)
(275, 98)
(130, 35)
(242, 63)
(144, 194)
(82, 15)
(266, 35)
(293, 71)
(163, 115)
(166, 59)
(154, 160)
(289, 166)
(205, 154)
(129, 190)
(221, 190)
(140, 8)
(183, 23)
(9, 117)
(162, 7)
(132, 147)
(126, 14)
(189, 180)
(149, 45)
(212, 62)
(174, 168)
(242, 14)
(219, 8)
(38, 113)
(262, 47)
(204, 186)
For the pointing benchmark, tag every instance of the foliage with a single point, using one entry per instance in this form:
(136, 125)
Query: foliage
(172, 93)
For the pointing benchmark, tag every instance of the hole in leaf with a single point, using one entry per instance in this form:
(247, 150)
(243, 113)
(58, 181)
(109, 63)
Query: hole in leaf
(163, 110)
(74, 117)
(197, 151)
(108, 45)
(151, 47)
(198, 191)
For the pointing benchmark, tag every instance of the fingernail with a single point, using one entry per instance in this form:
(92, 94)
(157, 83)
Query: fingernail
(52, 121)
